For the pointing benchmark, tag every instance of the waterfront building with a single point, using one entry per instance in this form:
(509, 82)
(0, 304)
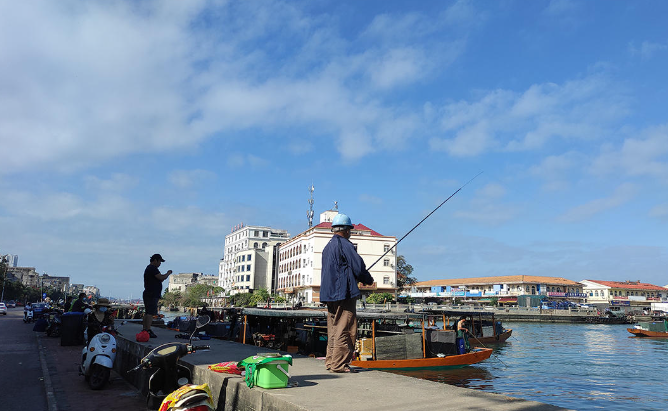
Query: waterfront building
(506, 289)
(91, 291)
(249, 257)
(180, 282)
(75, 289)
(300, 260)
(28, 276)
(626, 295)
(56, 283)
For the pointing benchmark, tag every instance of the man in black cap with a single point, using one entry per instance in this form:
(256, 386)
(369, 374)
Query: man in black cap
(152, 290)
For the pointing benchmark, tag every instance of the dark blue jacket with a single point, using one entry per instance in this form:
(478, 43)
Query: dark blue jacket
(342, 269)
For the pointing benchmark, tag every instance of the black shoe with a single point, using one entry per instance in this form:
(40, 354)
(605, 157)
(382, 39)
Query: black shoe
(151, 334)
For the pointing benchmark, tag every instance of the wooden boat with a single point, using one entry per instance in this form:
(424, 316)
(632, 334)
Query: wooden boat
(650, 329)
(493, 339)
(389, 346)
(451, 361)
(483, 325)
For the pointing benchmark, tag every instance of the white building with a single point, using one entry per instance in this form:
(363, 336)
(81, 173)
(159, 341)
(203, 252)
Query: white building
(632, 294)
(249, 256)
(300, 260)
(179, 282)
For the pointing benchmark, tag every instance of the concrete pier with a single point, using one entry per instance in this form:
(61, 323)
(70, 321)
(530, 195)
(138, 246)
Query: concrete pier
(311, 386)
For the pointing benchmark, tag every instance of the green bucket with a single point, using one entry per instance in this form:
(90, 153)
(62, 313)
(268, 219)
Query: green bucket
(267, 372)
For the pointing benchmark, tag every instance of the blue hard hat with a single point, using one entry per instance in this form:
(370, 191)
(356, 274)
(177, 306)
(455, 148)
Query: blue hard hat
(342, 220)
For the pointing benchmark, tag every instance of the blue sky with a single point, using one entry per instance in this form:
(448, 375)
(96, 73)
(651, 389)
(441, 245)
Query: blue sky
(129, 128)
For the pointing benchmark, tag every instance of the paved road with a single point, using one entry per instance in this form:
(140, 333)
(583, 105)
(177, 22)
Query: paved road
(21, 377)
(52, 383)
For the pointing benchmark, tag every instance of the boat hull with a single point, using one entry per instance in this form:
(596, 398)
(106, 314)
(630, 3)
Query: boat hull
(638, 332)
(493, 340)
(452, 361)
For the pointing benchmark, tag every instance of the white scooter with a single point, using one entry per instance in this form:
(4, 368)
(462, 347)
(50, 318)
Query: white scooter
(27, 315)
(97, 358)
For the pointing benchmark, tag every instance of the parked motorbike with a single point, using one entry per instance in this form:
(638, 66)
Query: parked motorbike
(54, 320)
(168, 374)
(97, 358)
(189, 397)
(27, 315)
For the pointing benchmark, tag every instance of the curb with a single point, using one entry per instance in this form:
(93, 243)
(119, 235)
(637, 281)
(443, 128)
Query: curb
(48, 386)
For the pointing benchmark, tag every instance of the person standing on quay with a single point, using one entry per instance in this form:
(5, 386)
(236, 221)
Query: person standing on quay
(152, 291)
(342, 269)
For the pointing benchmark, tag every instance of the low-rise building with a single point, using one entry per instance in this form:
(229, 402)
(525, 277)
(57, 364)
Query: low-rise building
(506, 288)
(92, 291)
(28, 276)
(56, 283)
(628, 295)
(180, 282)
(300, 260)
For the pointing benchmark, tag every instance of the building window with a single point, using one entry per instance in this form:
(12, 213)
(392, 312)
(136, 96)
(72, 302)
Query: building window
(265, 234)
(243, 258)
(386, 262)
(386, 280)
(249, 256)
(255, 245)
(248, 267)
(248, 278)
(386, 248)
(264, 245)
(243, 268)
(257, 233)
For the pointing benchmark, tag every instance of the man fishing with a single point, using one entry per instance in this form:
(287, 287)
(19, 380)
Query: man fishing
(342, 269)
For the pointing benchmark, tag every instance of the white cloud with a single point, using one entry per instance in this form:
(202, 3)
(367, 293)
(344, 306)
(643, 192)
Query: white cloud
(644, 155)
(621, 195)
(659, 211)
(367, 198)
(190, 219)
(647, 49)
(117, 182)
(502, 120)
(91, 82)
(190, 178)
(555, 170)
(487, 207)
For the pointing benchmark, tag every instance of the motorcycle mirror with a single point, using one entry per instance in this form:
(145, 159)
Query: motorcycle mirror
(87, 311)
(202, 320)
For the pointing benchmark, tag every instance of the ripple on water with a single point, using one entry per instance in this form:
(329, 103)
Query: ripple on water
(577, 366)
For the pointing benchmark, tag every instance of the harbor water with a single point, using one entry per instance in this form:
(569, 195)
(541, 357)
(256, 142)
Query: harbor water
(576, 366)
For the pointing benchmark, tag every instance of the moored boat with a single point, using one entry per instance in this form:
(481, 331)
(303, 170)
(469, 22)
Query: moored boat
(450, 361)
(650, 329)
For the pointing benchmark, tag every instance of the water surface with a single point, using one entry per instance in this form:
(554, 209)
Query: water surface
(577, 366)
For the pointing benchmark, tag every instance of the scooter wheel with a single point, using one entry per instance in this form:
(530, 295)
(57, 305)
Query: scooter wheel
(99, 376)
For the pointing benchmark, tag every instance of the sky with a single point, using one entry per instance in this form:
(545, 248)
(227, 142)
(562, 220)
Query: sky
(131, 128)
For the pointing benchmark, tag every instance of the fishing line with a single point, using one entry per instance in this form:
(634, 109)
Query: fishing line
(483, 346)
(421, 221)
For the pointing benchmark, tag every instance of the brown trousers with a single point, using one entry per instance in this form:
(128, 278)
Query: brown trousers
(341, 333)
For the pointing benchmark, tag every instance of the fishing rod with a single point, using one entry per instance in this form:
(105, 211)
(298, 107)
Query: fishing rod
(483, 346)
(421, 221)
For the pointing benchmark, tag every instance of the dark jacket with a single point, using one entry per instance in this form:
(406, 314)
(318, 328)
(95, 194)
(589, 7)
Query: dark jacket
(342, 269)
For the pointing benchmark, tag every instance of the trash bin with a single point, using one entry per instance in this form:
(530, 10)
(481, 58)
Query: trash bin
(71, 329)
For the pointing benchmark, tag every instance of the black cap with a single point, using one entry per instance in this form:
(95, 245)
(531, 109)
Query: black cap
(157, 257)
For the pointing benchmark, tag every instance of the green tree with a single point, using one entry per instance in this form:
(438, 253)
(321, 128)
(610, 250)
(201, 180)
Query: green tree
(380, 298)
(171, 299)
(194, 295)
(404, 274)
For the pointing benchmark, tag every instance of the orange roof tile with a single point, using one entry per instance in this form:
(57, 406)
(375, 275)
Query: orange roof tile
(504, 279)
(629, 285)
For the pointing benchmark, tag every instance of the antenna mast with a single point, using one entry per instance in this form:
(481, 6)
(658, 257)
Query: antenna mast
(309, 213)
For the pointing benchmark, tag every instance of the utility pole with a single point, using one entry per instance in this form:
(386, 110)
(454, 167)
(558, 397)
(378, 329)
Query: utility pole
(3, 261)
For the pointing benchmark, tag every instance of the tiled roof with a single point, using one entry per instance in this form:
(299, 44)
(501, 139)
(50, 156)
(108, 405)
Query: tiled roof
(504, 279)
(358, 227)
(629, 285)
